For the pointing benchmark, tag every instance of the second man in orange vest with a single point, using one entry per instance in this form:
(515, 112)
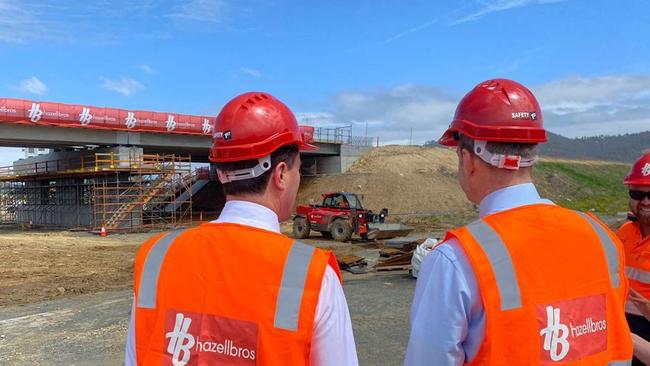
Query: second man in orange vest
(529, 283)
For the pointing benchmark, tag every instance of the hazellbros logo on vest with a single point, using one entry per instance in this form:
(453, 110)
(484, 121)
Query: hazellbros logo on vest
(572, 330)
(201, 339)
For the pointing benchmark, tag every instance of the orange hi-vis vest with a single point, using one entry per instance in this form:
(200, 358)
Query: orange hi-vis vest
(552, 286)
(637, 261)
(226, 294)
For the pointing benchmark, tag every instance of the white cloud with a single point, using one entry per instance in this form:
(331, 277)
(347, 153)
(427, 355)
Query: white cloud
(599, 127)
(124, 85)
(579, 106)
(492, 6)
(207, 11)
(101, 21)
(596, 91)
(20, 23)
(572, 106)
(29, 21)
(251, 72)
(33, 85)
(318, 119)
(147, 69)
(390, 113)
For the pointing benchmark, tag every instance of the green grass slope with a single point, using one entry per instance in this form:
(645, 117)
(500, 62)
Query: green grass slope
(584, 185)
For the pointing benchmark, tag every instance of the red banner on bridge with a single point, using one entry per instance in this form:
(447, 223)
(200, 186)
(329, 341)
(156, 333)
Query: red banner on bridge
(67, 115)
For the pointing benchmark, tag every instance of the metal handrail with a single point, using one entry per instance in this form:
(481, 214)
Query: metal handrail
(98, 162)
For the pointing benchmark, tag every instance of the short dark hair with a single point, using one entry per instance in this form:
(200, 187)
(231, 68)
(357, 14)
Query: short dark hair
(286, 154)
(526, 151)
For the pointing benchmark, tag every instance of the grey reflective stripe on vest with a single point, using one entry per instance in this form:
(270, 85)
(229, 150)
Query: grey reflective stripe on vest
(151, 271)
(611, 254)
(500, 261)
(293, 286)
(638, 275)
(620, 363)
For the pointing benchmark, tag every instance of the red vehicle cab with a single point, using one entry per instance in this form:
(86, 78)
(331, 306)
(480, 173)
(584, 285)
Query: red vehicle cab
(339, 216)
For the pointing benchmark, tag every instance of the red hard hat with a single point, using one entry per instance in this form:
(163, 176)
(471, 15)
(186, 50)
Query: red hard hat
(498, 110)
(252, 126)
(640, 173)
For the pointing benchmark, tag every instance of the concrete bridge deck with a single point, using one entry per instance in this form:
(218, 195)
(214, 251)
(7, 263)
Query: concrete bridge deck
(16, 135)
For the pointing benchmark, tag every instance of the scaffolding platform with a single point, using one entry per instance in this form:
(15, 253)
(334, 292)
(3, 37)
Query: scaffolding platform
(121, 191)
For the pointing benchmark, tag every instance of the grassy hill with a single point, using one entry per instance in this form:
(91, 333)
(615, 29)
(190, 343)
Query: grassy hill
(583, 185)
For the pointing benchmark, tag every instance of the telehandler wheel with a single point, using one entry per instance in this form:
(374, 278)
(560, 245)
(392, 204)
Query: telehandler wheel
(341, 230)
(301, 228)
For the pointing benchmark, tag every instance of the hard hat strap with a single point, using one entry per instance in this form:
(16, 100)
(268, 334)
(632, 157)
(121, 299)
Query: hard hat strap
(502, 161)
(248, 173)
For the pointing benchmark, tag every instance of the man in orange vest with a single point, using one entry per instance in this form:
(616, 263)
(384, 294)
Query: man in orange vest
(635, 236)
(236, 291)
(529, 283)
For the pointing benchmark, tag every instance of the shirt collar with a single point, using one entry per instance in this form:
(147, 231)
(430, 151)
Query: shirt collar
(510, 197)
(249, 214)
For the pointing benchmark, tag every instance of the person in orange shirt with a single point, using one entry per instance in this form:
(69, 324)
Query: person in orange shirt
(529, 283)
(236, 291)
(635, 235)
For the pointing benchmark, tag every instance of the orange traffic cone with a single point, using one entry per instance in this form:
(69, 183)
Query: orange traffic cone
(102, 233)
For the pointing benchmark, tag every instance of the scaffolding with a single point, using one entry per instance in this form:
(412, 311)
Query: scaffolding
(122, 192)
(63, 203)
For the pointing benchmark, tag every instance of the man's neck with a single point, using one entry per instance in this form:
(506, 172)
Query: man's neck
(260, 199)
(497, 185)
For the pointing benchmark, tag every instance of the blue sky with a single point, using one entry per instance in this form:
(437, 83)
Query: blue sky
(395, 65)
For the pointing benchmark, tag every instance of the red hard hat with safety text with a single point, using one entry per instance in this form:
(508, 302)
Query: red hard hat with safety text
(640, 173)
(498, 110)
(253, 125)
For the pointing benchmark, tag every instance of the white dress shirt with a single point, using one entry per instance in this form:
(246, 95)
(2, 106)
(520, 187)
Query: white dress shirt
(447, 315)
(333, 340)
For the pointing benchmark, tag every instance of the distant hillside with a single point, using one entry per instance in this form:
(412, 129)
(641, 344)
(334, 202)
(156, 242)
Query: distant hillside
(625, 148)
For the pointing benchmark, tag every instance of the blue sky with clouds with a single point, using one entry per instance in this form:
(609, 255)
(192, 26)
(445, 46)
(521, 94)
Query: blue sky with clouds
(394, 65)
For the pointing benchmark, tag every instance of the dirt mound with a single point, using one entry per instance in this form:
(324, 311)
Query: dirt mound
(40, 265)
(422, 182)
(405, 179)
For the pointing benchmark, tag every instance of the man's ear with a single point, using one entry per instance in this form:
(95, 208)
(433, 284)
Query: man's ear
(468, 162)
(279, 175)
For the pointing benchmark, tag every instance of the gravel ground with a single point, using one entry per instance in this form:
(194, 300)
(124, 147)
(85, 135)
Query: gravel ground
(82, 330)
(90, 329)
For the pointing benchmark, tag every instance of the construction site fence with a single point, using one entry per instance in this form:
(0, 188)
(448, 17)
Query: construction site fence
(340, 135)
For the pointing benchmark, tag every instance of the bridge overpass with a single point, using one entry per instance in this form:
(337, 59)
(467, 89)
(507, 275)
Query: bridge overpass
(25, 123)
(54, 137)
(124, 169)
